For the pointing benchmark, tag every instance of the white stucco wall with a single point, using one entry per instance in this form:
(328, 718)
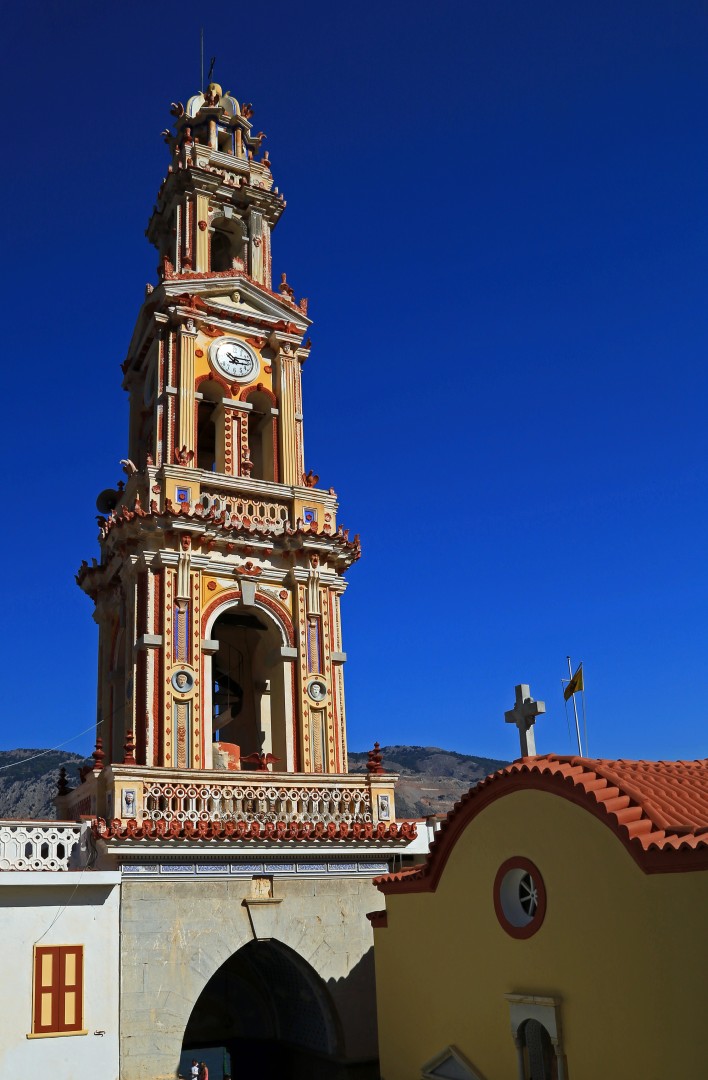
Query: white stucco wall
(29, 901)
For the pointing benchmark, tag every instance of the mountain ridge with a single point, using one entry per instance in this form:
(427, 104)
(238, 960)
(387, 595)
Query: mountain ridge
(431, 779)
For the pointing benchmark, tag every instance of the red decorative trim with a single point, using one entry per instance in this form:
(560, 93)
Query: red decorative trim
(140, 703)
(259, 388)
(281, 615)
(542, 774)
(157, 667)
(378, 919)
(212, 376)
(518, 862)
(296, 741)
(225, 599)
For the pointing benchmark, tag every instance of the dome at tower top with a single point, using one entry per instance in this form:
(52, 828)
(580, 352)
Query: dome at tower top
(211, 97)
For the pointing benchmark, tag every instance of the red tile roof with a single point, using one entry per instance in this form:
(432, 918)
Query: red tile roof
(657, 809)
(272, 831)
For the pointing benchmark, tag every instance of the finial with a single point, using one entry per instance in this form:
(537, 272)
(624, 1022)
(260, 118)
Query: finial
(524, 714)
(374, 765)
(63, 783)
(129, 748)
(98, 754)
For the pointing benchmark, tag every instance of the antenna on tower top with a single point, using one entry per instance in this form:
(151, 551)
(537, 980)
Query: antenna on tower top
(211, 68)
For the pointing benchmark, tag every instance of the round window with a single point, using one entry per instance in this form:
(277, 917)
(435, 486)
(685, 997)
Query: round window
(519, 897)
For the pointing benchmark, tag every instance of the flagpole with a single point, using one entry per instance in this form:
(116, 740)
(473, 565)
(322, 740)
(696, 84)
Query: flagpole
(575, 710)
(567, 719)
(585, 720)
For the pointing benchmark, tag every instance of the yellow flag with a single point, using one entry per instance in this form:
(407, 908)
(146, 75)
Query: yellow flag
(575, 684)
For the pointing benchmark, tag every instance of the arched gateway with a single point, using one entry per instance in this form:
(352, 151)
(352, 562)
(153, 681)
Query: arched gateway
(221, 784)
(267, 1012)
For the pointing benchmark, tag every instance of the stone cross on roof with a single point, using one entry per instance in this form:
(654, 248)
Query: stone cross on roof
(524, 716)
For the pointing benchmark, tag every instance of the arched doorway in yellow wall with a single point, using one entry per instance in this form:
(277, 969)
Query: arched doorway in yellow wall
(539, 1055)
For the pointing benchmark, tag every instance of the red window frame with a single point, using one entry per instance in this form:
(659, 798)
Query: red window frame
(59, 988)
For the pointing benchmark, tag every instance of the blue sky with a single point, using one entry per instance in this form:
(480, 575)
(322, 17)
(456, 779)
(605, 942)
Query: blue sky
(498, 212)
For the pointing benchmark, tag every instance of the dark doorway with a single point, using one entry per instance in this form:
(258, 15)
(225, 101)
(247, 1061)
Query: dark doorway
(271, 1015)
(540, 1059)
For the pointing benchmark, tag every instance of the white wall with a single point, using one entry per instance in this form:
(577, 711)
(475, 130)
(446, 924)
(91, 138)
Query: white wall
(29, 901)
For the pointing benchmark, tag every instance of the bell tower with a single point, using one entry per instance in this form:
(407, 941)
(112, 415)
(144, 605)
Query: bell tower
(218, 587)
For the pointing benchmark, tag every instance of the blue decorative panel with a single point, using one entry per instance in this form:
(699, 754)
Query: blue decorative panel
(247, 868)
(177, 868)
(184, 495)
(277, 867)
(212, 868)
(309, 515)
(311, 868)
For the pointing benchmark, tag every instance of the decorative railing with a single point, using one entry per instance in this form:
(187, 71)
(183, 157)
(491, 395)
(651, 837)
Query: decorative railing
(37, 846)
(248, 510)
(262, 803)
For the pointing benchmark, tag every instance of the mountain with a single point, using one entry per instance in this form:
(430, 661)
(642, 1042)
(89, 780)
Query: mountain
(28, 781)
(431, 779)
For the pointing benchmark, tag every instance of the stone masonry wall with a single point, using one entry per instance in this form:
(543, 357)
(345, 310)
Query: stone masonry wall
(175, 935)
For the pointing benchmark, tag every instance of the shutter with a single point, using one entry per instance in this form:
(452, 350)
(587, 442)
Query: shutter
(71, 995)
(46, 989)
(58, 989)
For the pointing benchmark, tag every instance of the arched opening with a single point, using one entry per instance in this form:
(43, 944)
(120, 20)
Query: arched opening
(539, 1055)
(260, 437)
(208, 428)
(248, 685)
(228, 244)
(266, 1012)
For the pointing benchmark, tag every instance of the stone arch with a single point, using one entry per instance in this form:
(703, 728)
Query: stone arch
(268, 1008)
(232, 597)
(247, 675)
(193, 930)
(228, 244)
(212, 376)
(259, 388)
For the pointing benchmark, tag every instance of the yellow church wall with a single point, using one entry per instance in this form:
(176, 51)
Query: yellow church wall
(625, 952)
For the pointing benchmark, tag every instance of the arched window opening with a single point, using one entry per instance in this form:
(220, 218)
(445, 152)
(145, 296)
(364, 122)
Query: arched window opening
(539, 1056)
(228, 244)
(248, 686)
(206, 436)
(225, 139)
(260, 437)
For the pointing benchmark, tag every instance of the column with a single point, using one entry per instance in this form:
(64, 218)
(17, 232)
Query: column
(255, 247)
(201, 253)
(187, 339)
(287, 369)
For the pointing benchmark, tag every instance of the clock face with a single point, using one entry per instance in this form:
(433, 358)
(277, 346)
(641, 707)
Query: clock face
(234, 359)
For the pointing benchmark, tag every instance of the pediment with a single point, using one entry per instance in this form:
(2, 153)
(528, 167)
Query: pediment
(449, 1064)
(237, 294)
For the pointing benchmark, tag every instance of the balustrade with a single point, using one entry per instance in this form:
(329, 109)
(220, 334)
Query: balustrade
(248, 510)
(255, 802)
(37, 846)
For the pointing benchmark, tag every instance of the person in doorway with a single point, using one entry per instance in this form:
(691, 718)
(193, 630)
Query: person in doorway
(203, 1071)
(194, 1071)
